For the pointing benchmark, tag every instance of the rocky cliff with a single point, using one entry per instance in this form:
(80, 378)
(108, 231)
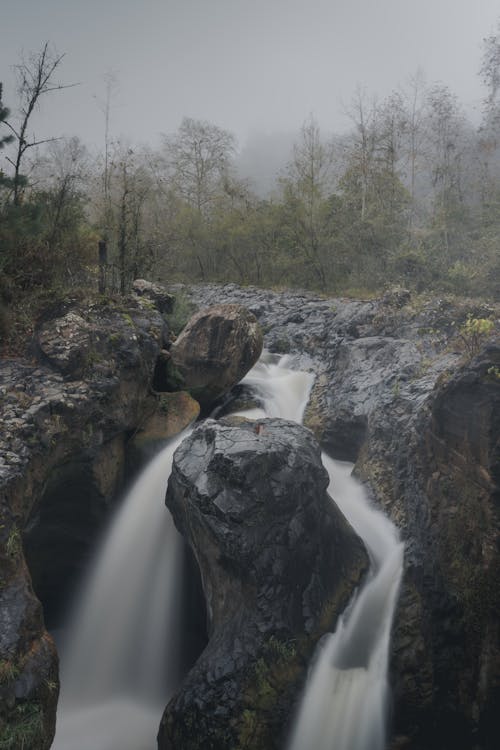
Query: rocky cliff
(84, 396)
(394, 391)
(67, 411)
(278, 563)
(398, 392)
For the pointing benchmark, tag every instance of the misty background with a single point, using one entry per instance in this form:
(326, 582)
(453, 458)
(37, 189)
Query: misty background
(257, 69)
(340, 147)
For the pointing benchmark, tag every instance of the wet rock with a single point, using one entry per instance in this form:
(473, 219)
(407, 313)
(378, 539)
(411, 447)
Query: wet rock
(278, 564)
(64, 421)
(215, 350)
(392, 390)
(454, 476)
(166, 415)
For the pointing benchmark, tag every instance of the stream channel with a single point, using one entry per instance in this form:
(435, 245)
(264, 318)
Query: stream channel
(119, 663)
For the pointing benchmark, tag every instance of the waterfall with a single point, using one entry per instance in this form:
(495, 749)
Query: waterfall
(283, 392)
(118, 665)
(344, 706)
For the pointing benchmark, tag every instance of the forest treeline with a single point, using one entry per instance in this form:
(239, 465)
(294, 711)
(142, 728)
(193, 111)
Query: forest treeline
(410, 196)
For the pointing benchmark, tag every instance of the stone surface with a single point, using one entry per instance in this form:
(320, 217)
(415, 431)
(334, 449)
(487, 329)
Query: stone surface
(278, 564)
(447, 641)
(215, 350)
(393, 390)
(157, 294)
(167, 415)
(64, 418)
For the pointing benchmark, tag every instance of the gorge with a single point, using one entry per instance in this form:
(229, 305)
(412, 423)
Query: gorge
(393, 393)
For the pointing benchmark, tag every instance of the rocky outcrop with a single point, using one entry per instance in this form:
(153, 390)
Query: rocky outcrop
(70, 413)
(156, 294)
(278, 564)
(394, 393)
(446, 660)
(391, 390)
(65, 418)
(214, 351)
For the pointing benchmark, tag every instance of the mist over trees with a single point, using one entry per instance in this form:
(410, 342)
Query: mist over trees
(410, 196)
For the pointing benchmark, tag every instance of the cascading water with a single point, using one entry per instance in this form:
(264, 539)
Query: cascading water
(345, 702)
(283, 392)
(114, 675)
(115, 668)
(344, 706)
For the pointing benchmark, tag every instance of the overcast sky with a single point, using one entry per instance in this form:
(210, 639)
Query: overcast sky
(246, 65)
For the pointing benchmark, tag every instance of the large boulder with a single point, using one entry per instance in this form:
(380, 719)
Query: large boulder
(278, 564)
(215, 350)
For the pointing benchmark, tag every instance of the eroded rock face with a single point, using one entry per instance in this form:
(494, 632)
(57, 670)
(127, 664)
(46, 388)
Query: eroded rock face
(393, 392)
(215, 350)
(64, 418)
(447, 640)
(278, 564)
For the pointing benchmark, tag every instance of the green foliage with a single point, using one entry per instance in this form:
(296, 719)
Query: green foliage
(460, 277)
(182, 310)
(13, 545)
(493, 373)
(42, 245)
(473, 333)
(8, 671)
(5, 182)
(24, 728)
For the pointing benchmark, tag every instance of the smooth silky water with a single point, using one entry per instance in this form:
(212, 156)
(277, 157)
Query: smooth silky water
(119, 666)
(345, 703)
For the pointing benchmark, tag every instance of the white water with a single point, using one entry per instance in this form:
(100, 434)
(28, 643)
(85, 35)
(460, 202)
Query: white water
(119, 665)
(346, 699)
(284, 392)
(115, 670)
(344, 706)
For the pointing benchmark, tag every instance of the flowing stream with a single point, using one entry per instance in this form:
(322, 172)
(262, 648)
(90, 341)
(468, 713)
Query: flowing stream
(345, 703)
(346, 698)
(119, 666)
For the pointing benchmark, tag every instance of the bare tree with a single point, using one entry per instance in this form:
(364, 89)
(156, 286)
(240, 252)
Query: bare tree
(308, 183)
(364, 114)
(35, 79)
(199, 155)
(105, 105)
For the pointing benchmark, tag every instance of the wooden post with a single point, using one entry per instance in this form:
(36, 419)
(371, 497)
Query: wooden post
(103, 262)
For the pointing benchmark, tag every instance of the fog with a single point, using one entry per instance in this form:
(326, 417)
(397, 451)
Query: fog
(257, 69)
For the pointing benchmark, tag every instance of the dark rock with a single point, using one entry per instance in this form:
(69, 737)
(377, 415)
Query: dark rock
(64, 422)
(215, 350)
(162, 300)
(278, 564)
(391, 388)
(458, 460)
